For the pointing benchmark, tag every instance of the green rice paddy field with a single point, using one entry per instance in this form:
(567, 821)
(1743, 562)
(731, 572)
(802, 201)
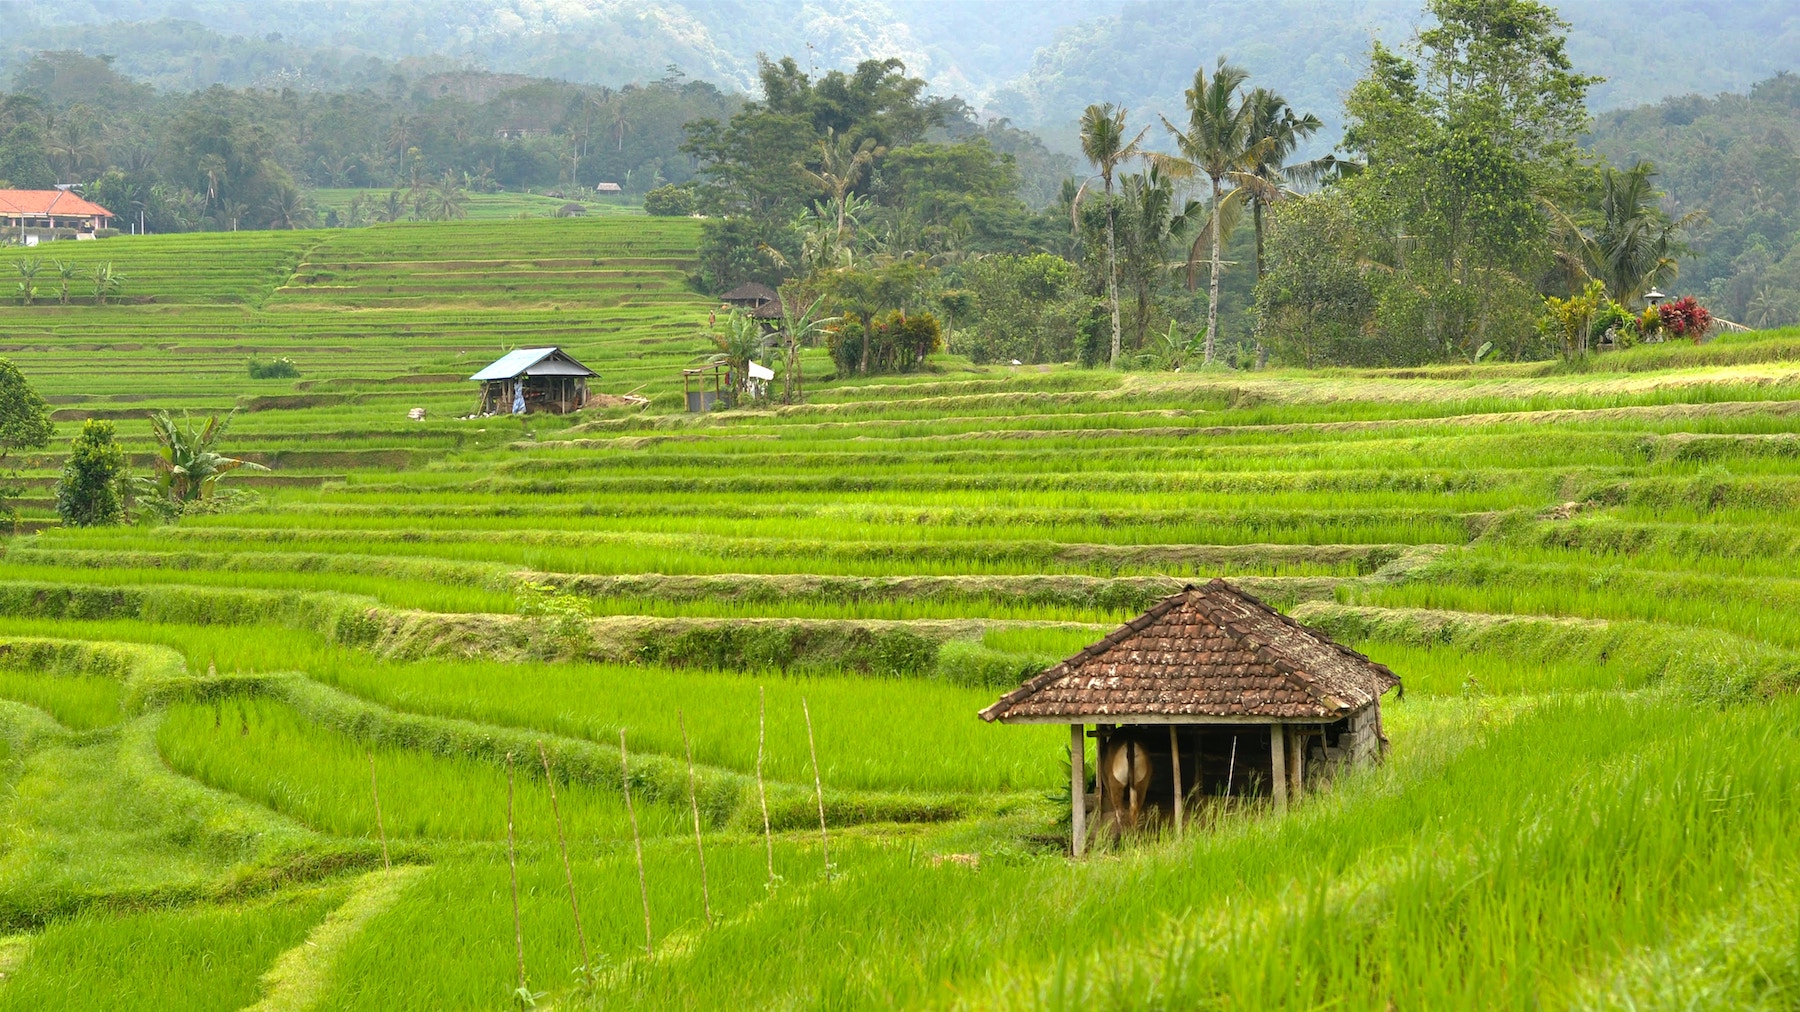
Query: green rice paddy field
(1589, 581)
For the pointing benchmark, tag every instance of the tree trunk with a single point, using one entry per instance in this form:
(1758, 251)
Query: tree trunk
(1256, 221)
(1212, 302)
(862, 367)
(1112, 282)
(1256, 209)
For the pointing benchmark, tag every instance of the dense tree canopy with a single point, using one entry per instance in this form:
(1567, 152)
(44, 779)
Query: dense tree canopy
(226, 157)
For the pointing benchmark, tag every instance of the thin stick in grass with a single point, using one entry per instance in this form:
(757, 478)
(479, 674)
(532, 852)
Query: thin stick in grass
(512, 863)
(637, 843)
(694, 803)
(818, 787)
(375, 793)
(587, 963)
(762, 796)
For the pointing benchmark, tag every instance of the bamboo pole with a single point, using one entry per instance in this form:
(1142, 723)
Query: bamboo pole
(637, 843)
(818, 788)
(762, 795)
(1175, 765)
(375, 792)
(1231, 767)
(694, 803)
(512, 863)
(562, 842)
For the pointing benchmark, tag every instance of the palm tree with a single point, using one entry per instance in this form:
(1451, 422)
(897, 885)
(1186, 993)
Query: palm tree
(1634, 245)
(446, 200)
(1103, 143)
(338, 169)
(621, 121)
(1766, 309)
(75, 141)
(28, 272)
(67, 271)
(1153, 221)
(740, 342)
(213, 168)
(230, 211)
(799, 327)
(841, 167)
(187, 466)
(1275, 131)
(1625, 241)
(1219, 145)
(287, 208)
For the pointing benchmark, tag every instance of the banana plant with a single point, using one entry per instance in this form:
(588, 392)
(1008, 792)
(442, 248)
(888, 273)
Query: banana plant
(187, 466)
(28, 272)
(107, 282)
(67, 271)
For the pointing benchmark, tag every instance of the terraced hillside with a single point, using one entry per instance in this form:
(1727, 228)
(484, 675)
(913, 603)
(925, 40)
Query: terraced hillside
(376, 321)
(1586, 579)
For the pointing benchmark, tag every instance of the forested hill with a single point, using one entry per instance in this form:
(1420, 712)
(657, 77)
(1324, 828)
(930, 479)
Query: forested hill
(1737, 158)
(1144, 54)
(1039, 63)
(964, 47)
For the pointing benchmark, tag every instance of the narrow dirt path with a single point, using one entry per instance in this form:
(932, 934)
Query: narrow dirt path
(301, 976)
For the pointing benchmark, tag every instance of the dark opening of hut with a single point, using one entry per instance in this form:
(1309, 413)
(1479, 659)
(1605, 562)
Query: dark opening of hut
(531, 380)
(1210, 694)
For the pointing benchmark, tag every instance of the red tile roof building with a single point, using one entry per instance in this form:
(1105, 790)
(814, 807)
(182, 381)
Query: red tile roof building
(46, 209)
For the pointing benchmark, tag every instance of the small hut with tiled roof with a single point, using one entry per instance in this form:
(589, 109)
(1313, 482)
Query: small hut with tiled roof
(1210, 693)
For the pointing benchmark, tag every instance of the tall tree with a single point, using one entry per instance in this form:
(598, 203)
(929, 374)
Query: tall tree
(1275, 132)
(1104, 145)
(1465, 136)
(841, 166)
(1150, 221)
(1219, 144)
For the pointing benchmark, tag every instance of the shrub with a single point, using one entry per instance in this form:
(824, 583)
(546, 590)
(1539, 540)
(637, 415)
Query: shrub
(670, 201)
(91, 490)
(279, 368)
(1685, 317)
(896, 342)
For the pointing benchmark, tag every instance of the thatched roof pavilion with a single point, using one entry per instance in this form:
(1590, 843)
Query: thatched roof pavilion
(757, 300)
(1210, 693)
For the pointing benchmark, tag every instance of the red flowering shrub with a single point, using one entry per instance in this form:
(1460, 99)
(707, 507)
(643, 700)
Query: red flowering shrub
(1685, 317)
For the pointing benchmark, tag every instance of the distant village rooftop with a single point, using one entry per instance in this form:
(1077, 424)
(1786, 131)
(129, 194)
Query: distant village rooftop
(47, 209)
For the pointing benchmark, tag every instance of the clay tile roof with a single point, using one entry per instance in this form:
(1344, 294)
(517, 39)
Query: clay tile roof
(45, 202)
(1211, 651)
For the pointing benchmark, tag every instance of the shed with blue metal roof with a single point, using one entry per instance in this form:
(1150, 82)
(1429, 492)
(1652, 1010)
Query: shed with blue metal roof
(533, 379)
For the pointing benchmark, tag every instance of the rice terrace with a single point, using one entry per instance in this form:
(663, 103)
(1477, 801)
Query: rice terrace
(1584, 579)
(492, 519)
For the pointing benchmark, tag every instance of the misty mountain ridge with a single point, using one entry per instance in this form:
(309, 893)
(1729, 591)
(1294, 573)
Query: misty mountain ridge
(1036, 63)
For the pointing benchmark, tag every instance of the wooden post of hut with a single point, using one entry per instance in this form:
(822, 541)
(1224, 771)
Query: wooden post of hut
(1170, 693)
